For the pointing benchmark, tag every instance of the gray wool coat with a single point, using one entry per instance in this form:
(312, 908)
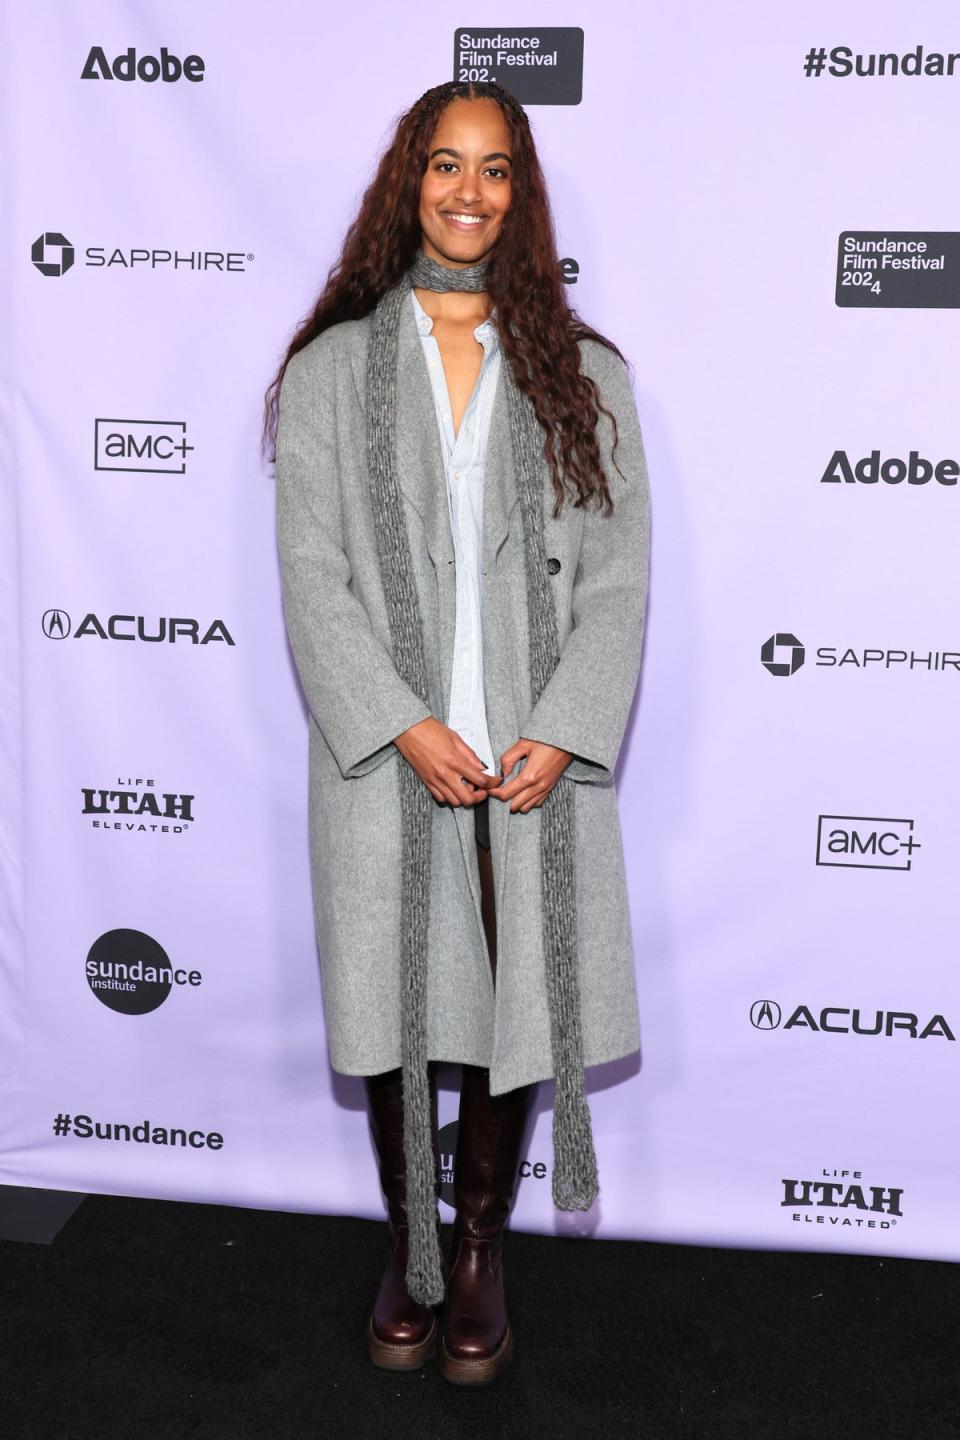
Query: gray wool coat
(340, 637)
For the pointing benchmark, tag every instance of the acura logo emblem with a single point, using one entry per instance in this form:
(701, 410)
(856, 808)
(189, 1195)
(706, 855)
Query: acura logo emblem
(56, 624)
(765, 1014)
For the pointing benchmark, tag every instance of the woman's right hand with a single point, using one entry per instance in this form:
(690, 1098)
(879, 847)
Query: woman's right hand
(444, 761)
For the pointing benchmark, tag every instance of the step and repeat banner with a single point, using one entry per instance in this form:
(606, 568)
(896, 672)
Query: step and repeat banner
(756, 205)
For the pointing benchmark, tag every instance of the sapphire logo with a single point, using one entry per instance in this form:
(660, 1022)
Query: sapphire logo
(782, 654)
(52, 253)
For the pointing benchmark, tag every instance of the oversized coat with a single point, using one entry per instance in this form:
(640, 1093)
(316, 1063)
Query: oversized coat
(340, 637)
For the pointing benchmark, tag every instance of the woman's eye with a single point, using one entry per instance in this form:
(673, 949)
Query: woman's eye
(496, 171)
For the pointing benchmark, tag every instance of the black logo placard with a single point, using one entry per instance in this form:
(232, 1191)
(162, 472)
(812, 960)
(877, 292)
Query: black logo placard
(539, 66)
(899, 269)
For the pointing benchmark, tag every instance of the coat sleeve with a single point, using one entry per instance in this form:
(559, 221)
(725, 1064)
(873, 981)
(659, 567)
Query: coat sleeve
(586, 703)
(352, 687)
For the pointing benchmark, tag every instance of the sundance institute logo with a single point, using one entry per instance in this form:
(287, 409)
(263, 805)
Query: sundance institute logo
(131, 973)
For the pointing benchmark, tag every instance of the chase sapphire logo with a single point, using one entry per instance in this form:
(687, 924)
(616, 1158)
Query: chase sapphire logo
(52, 253)
(782, 654)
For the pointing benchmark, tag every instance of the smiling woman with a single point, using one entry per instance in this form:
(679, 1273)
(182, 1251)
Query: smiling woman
(463, 525)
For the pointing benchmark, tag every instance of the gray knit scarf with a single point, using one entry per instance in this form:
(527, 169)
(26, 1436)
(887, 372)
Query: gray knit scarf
(575, 1184)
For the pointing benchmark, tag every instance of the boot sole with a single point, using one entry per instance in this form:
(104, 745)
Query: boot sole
(401, 1357)
(477, 1372)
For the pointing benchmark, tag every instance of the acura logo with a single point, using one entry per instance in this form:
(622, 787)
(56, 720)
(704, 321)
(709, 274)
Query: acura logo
(56, 624)
(765, 1014)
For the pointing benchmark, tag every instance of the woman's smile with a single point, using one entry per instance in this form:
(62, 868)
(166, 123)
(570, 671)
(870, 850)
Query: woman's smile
(461, 220)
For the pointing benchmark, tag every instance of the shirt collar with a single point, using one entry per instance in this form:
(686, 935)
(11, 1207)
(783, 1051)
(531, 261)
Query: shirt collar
(486, 332)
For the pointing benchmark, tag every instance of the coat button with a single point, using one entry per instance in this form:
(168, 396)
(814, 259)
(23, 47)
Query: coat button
(553, 564)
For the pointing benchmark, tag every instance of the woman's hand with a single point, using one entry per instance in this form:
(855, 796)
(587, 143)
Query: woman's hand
(444, 762)
(545, 764)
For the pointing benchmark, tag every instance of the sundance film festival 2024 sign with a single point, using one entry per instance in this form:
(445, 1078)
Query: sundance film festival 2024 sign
(539, 67)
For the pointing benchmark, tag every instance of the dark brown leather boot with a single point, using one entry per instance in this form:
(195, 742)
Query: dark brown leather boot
(401, 1334)
(477, 1339)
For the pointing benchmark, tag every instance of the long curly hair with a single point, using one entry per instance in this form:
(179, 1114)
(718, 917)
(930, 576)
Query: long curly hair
(538, 329)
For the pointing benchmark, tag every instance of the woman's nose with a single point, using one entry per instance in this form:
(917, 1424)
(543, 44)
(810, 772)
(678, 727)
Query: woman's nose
(468, 191)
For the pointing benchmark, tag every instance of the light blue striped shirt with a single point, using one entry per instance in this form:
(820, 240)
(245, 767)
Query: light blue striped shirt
(464, 457)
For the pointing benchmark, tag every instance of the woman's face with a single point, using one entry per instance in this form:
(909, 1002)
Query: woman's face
(465, 191)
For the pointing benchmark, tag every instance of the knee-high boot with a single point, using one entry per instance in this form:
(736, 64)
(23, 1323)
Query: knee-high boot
(401, 1334)
(477, 1339)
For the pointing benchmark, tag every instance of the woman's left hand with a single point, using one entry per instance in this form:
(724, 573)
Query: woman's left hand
(544, 766)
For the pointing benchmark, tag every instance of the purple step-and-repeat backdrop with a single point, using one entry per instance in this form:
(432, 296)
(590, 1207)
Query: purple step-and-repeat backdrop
(753, 204)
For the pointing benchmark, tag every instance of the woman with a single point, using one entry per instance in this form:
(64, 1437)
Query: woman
(462, 515)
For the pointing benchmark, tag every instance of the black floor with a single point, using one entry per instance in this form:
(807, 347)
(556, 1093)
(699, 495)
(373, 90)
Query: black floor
(148, 1320)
